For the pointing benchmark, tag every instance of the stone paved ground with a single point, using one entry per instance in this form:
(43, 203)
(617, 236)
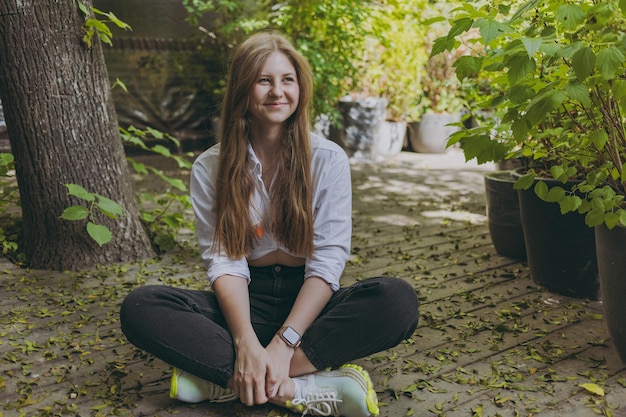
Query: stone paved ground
(489, 343)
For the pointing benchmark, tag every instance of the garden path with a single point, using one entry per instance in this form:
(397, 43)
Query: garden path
(489, 343)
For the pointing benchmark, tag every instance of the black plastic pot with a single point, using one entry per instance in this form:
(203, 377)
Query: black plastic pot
(560, 248)
(610, 249)
(503, 213)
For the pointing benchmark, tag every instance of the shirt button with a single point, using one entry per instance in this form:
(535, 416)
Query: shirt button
(276, 268)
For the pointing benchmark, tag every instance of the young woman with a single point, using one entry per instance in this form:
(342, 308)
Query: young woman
(273, 209)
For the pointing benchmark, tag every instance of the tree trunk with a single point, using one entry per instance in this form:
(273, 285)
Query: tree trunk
(63, 129)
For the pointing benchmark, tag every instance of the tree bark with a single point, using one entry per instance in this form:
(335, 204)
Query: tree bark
(63, 129)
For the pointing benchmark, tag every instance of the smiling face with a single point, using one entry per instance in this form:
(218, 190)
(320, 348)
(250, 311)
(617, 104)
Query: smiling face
(275, 95)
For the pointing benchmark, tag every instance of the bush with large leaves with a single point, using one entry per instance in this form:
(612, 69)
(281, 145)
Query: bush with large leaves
(558, 87)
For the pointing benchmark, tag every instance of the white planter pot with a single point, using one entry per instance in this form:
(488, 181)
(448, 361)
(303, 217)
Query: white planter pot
(431, 133)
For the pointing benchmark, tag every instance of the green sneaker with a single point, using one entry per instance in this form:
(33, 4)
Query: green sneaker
(346, 391)
(192, 389)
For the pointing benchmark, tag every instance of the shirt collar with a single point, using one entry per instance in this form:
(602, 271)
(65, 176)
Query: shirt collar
(257, 168)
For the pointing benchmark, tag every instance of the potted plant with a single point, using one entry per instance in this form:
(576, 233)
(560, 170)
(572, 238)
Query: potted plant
(560, 67)
(399, 38)
(375, 113)
(441, 104)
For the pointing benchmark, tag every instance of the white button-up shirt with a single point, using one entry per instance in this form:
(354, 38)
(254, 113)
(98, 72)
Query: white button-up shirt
(332, 214)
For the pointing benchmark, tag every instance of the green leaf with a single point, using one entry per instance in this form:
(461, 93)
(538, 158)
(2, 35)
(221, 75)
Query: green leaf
(519, 67)
(556, 171)
(532, 45)
(622, 217)
(161, 150)
(525, 8)
(569, 203)
(611, 220)
(121, 84)
(109, 207)
(599, 138)
(520, 93)
(595, 217)
(578, 92)
(554, 194)
(583, 62)
(154, 132)
(525, 181)
(83, 8)
(545, 103)
(105, 38)
(75, 213)
(570, 16)
(467, 66)
(174, 182)
(99, 26)
(520, 129)
(460, 26)
(541, 189)
(101, 234)
(78, 191)
(483, 148)
(441, 45)
(610, 61)
(119, 23)
(491, 29)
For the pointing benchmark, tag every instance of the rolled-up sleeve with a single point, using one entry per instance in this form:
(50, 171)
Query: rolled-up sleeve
(332, 206)
(202, 192)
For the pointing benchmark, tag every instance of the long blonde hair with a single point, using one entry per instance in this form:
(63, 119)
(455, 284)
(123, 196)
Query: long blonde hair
(291, 218)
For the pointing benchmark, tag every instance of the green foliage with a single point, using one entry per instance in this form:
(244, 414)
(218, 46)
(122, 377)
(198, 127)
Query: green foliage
(162, 208)
(94, 26)
(331, 34)
(9, 200)
(233, 18)
(395, 56)
(442, 91)
(96, 203)
(558, 82)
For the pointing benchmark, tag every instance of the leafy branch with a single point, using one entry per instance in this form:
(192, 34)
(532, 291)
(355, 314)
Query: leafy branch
(9, 196)
(162, 213)
(94, 26)
(96, 203)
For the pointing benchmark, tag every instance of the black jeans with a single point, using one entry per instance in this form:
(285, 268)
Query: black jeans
(186, 328)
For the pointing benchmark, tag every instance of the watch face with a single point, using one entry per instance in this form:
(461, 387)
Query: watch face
(291, 335)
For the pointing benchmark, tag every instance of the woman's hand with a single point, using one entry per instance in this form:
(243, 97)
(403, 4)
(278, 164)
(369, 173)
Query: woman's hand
(253, 364)
(280, 355)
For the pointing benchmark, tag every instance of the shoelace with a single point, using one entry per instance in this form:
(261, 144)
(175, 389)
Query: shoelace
(219, 394)
(319, 403)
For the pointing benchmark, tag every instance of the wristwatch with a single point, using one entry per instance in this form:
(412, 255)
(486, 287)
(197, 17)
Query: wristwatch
(290, 336)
